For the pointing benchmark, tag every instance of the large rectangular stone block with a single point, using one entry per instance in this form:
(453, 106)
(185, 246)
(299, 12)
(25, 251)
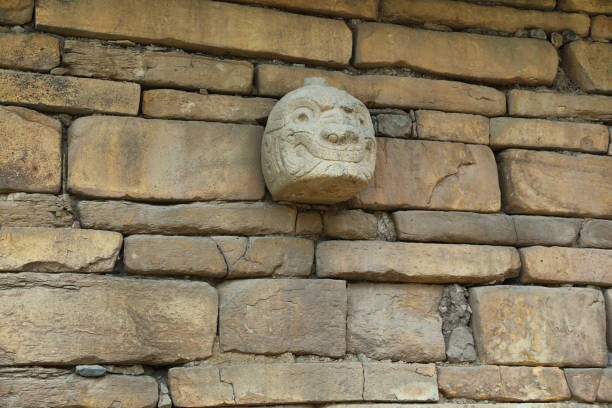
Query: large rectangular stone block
(399, 382)
(209, 26)
(275, 316)
(66, 319)
(537, 230)
(556, 184)
(366, 9)
(35, 210)
(594, 233)
(531, 325)
(452, 127)
(588, 64)
(553, 104)
(32, 52)
(164, 160)
(431, 175)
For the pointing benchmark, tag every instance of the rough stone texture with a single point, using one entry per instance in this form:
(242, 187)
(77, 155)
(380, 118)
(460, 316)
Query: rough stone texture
(350, 224)
(452, 127)
(37, 387)
(441, 176)
(172, 104)
(583, 382)
(35, 210)
(604, 393)
(188, 219)
(504, 383)
(462, 15)
(67, 94)
(460, 345)
(470, 404)
(393, 125)
(273, 383)
(30, 153)
(601, 28)
(366, 9)
(307, 223)
(275, 316)
(65, 319)
(415, 262)
(279, 35)
(129, 158)
(159, 69)
(536, 230)
(589, 64)
(552, 104)
(594, 233)
(387, 91)
(532, 183)
(468, 56)
(400, 382)
(32, 52)
(397, 322)
(454, 309)
(548, 134)
(531, 325)
(157, 254)
(608, 297)
(90, 370)
(58, 249)
(582, 266)
(590, 6)
(16, 11)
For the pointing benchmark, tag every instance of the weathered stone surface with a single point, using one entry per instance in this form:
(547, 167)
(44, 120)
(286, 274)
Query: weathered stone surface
(531, 325)
(399, 382)
(279, 35)
(589, 64)
(460, 345)
(387, 91)
(65, 319)
(51, 387)
(16, 11)
(266, 256)
(33, 52)
(188, 219)
(590, 6)
(35, 210)
(171, 104)
(68, 94)
(158, 254)
(504, 383)
(452, 127)
(308, 223)
(397, 322)
(159, 69)
(499, 60)
(366, 9)
(393, 125)
(441, 176)
(30, 157)
(255, 384)
(532, 183)
(552, 104)
(601, 28)
(583, 382)
(275, 316)
(350, 224)
(415, 262)
(130, 158)
(90, 370)
(584, 266)
(608, 297)
(58, 249)
(470, 405)
(536, 230)
(594, 233)
(530, 4)
(604, 393)
(548, 134)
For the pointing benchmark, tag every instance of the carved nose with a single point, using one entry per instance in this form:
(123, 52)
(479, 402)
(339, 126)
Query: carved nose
(342, 138)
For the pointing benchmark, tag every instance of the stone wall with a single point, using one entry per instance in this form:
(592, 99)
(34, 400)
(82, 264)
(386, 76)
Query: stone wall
(143, 263)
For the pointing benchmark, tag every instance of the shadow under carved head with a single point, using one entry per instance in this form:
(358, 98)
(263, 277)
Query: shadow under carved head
(318, 146)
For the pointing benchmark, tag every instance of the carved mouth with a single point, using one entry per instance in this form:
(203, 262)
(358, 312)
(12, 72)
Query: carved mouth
(342, 146)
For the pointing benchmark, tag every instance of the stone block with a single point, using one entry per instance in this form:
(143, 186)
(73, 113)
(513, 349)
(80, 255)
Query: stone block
(308, 223)
(553, 104)
(350, 224)
(32, 52)
(16, 11)
(608, 296)
(366, 9)
(460, 345)
(583, 382)
(452, 127)
(536, 230)
(35, 210)
(594, 233)
(400, 382)
(588, 6)
(604, 392)
(601, 27)
(588, 64)
(393, 125)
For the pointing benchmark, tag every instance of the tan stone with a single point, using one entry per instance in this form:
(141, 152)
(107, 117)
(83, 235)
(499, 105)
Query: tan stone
(386, 91)
(161, 255)
(66, 319)
(172, 104)
(608, 297)
(33, 52)
(532, 183)
(308, 223)
(504, 383)
(366, 9)
(287, 36)
(583, 382)
(199, 387)
(51, 387)
(397, 322)
(452, 127)
(498, 60)
(536, 230)
(58, 249)
(552, 104)
(548, 134)
(16, 11)
(119, 157)
(188, 219)
(350, 224)
(531, 325)
(530, 4)
(594, 233)
(589, 64)
(30, 153)
(590, 6)
(159, 69)
(441, 176)
(35, 210)
(415, 262)
(471, 404)
(399, 382)
(601, 27)
(275, 316)
(604, 393)
(464, 15)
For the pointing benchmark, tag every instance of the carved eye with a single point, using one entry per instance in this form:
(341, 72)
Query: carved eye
(303, 114)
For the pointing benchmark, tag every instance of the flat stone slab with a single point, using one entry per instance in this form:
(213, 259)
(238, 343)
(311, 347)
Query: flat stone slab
(400, 382)
(596, 233)
(31, 52)
(554, 104)
(452, 127)
(35, 210)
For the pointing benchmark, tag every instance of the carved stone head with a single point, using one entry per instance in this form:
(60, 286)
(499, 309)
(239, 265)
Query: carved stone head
(318, 146)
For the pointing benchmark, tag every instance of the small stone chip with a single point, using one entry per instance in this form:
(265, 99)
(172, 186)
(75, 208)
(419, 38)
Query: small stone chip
(90, 370)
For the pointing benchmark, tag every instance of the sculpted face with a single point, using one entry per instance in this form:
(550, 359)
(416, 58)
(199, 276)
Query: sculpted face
(318, 146)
